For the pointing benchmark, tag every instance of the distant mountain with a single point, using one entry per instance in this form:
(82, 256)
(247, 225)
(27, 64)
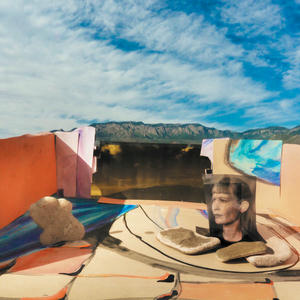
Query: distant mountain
(185, 133)
(289, 136)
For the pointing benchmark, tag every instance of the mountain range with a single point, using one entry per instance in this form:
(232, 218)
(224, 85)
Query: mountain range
(185, 133)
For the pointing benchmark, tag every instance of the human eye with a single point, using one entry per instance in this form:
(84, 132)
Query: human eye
(223, 200)
(214, 199)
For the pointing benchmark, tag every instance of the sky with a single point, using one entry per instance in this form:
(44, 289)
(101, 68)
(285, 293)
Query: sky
(221, 63)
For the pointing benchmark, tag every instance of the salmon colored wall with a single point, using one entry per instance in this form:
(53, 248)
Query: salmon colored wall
(27, 173)
(290, 183)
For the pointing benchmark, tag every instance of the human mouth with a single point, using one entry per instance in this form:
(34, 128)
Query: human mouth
(217, 215)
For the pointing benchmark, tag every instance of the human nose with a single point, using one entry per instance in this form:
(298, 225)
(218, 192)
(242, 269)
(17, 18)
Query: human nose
(215, 205)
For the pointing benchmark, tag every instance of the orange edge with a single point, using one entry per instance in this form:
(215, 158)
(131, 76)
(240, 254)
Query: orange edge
(153, 202)
(163, 277)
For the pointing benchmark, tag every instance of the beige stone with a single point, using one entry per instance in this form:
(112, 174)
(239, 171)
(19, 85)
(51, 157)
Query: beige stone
(56, 219)
(240, 250)
(281, 253)
(187, 241)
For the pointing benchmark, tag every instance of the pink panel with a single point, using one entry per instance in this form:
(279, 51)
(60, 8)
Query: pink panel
(94, 169)
(66, 160)
(207, 149)
(85, 161)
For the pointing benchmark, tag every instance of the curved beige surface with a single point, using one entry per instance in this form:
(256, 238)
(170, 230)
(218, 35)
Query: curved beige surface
(140, 225)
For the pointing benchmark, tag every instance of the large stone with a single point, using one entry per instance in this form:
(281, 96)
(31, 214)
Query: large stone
(281, 253)
(187, 241)
(55, 217)
(240, 250)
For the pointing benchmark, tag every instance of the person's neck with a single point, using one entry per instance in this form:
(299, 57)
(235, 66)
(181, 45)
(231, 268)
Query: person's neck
(232, 232)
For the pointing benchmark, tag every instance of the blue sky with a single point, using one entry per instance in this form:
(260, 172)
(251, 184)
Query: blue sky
(225, 64)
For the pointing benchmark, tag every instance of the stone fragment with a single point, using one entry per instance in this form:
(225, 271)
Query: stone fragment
(187, 241)
(55, 217)
(240, 250)
(281, 253)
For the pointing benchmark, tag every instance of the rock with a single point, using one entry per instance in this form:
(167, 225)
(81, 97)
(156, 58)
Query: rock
(241, 249)
(55, 217)
(281, 253)
(187, 241)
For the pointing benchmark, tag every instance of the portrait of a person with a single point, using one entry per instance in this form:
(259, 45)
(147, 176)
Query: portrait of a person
(231, 210)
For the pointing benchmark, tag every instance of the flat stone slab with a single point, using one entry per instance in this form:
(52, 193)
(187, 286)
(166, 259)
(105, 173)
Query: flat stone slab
(281, 253)
(240, 250)
(187, 241)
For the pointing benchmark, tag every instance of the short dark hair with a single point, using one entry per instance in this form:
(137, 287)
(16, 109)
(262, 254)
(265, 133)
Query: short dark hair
(240, 189)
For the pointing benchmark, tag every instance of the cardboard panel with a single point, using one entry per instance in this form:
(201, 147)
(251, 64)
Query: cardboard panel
(220, 165)
(207, 149)
(85, 161)
(26, 286)
(287, 290)
(260, 158)
(290, 180)
(147, 230)
(267, 195)
(66, 158)
(231, 207)
(51, 261)
(229, 291)
(28, 172)
(118, 288)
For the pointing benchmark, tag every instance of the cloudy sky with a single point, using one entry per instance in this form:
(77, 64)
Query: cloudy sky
(228, 64)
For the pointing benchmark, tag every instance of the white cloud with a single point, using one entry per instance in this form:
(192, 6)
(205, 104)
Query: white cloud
(187, 36)
(253, 17)
(285, 110)
(53, 73)
(291, 78)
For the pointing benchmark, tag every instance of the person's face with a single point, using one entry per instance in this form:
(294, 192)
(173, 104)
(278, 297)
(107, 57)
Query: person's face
(225, 206)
